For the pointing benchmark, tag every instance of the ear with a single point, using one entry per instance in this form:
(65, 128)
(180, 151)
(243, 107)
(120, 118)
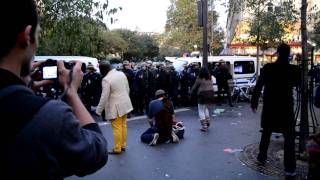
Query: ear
(24, 38)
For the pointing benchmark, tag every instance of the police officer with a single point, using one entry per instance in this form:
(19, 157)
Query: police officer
(144, 88)
(127, 70)
(161, 79)
(222, 75)
(184, 86)
(174, 81)
(91, 87)
(193, 74)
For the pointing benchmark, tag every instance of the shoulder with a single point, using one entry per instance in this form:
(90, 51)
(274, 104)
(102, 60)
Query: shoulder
(294, 67)
(267, 67)
(59, 108)
(155, 102)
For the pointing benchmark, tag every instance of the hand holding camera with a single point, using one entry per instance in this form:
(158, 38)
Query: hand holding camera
(55, 78)
(35, 84)
(70, 79)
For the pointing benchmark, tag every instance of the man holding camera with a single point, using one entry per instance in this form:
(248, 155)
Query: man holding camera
(45, 139)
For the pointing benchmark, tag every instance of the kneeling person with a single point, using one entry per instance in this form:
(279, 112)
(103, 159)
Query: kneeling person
(161, 114)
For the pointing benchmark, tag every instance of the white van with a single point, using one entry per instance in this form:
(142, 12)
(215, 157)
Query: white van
(243, 68)
(84, 59)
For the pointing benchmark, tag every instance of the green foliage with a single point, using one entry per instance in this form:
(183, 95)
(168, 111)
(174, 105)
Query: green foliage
(139, 45)
(271, 31)
(72, 27)
(270, 22)
(75, 27)
(182, 31)
(315, 36)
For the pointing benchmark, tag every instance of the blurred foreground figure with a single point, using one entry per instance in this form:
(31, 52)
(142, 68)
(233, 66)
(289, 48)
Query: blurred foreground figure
(45, 139)
(278, 80)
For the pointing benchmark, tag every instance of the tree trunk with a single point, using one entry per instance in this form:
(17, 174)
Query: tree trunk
(304, 125)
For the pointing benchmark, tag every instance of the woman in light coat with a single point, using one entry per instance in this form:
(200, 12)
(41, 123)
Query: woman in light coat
(116, 104)
(204, 89)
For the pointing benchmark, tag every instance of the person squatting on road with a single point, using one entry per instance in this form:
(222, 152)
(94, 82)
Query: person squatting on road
(115, 103)
(161, 115)
(278, 80)
(205, 95)
(45, 139)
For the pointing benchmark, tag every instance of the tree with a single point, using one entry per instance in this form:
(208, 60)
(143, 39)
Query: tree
(182, 29)
(315, 35)
(151, 48)
(135, 47)
(304, 125)
(72, 27)
(270, 30)
(269, 22)
(139, 45)
(114, 42)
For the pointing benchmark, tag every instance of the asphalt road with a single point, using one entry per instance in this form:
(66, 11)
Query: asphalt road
(200, 156)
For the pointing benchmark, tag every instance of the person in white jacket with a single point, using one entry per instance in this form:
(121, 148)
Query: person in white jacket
(116, 104)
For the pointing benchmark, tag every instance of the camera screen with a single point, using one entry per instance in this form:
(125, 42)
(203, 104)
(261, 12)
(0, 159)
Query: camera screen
(50, 72)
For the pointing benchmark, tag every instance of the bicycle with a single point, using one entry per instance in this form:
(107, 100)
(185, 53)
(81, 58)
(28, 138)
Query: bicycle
(241, 93)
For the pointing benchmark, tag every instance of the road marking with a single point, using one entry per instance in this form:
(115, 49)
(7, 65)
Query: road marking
(142, 117)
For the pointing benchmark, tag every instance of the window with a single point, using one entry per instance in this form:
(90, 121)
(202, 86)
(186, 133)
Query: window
(243, 67)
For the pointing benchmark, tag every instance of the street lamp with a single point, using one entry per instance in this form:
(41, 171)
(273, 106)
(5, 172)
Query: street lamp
(203, 22)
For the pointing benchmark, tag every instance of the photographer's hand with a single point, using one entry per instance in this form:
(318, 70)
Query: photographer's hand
(71, 83)
(35, 85)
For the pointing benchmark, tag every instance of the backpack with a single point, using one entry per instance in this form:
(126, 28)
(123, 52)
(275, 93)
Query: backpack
(18, 104)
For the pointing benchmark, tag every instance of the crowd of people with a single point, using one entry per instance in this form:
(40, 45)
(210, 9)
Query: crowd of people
(53, 139)
(145, 78)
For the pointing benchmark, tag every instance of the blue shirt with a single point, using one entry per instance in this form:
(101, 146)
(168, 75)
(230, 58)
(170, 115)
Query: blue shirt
(156, 106)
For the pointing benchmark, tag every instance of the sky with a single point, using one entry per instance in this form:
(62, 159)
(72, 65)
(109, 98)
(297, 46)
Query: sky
(149, 15)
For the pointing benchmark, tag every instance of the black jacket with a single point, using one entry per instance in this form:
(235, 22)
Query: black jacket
(278, 80)
(47, 143)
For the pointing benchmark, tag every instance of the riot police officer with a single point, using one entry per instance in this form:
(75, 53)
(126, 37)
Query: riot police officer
(144, 88)
(127, 70)
(91, 87)
(174, 85)
(184, 86)
(193, 74)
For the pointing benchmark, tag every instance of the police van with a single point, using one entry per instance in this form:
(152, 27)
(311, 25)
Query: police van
(84, 59)
(242, 68)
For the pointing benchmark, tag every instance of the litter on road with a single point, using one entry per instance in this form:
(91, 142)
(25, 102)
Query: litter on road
(231, 151)
(218, 111)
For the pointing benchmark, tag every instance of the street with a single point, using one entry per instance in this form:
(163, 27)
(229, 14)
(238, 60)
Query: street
(199, 156)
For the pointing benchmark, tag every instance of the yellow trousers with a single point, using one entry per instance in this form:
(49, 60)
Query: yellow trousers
(119, 127)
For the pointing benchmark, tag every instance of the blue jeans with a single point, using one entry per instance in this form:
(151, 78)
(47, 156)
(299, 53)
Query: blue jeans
(147, 136)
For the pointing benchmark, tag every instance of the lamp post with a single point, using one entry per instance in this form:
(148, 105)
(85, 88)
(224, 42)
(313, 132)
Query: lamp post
(203, 22)
(205, 33)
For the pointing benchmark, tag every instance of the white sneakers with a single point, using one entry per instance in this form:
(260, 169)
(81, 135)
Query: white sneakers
(175, 138)
(155, 139)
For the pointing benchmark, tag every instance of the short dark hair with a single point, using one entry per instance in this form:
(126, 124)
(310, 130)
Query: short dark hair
(104, 67)
(15, 16)
(283, 51)
(204, 74)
